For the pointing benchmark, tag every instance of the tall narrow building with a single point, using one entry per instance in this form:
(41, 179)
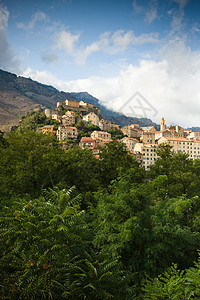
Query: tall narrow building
(162, 124)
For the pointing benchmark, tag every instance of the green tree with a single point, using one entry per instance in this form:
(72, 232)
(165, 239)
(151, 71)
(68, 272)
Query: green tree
(113, 156)
(41, 241)
(30, 162)
(174, 284)
(80, 125)
(3, 142)
(47, 253)
(33, 120)
(116, 133)
(147, 233)
(81, 169)
(179, 169)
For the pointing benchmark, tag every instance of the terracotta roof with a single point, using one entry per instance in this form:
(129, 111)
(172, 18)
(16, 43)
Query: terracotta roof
(103, 140)
(70, 111)
(181, 139)
(132, 139)
(86, 139)
(147, 145)
(148, 132)
(101, 132)
(46, 127)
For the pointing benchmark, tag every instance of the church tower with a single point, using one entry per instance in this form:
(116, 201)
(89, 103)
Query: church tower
(162, 124)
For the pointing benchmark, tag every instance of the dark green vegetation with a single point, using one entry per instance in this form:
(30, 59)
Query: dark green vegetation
(77, 227)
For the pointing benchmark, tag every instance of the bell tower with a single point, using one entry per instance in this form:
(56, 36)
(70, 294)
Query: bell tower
(162, 124)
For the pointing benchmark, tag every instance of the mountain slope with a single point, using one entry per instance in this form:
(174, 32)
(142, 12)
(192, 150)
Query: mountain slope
(18, 95)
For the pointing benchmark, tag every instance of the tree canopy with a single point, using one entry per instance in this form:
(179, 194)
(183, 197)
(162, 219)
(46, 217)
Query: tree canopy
(76, 226)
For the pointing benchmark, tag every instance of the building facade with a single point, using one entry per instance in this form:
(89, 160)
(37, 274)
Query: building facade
(191, 147)
(100, 134)
(92, 117)
(130, 143)
(148, 153)
(66, 132)
(72, 103)
(68, 118)
(87, 143)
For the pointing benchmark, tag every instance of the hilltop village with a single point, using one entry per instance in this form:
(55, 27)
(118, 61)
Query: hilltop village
(141, 142)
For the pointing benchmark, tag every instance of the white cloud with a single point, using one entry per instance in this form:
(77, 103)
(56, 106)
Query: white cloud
(50, 58)
(110, 43)
(113, 43)
(182, 3)
(4, 16)
(171, 85)
(137, 8)
(177, 19)
(178, 15)
(66, 41)
(36, 18)
(41, 76)
(151, 15)
(150, 12)
(7, 59)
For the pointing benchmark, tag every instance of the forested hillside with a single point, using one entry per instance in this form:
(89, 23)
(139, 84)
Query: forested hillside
(77, 227)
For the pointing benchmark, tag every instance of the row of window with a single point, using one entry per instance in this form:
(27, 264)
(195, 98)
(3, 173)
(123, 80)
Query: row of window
(183, 143)
(148, 150)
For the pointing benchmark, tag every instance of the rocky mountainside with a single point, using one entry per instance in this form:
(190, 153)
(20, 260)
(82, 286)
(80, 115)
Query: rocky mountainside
(18, 95)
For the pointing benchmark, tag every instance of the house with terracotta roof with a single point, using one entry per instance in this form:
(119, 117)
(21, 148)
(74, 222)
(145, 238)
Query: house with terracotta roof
(107, 125)
(148, 137)
(194, 135)
(149, 129)
(87, 142)
(129, 142)
(101, 142)
(47, 129)
(163, 133)
(100, 134)
(92, 117)
(56, 117)
(68, 118)
(132, 132)
(64, 132)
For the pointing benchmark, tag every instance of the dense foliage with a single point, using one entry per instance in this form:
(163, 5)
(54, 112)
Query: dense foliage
(77, 227)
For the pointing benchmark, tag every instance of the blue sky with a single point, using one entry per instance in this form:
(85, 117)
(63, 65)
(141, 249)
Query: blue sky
(111, 49)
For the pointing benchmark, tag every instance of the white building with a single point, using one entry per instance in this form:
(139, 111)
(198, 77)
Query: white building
(66, 132)
(191, 147)
(148, 152)
(194, 135)
(91, 117)
(130, 143)
(100, 134)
